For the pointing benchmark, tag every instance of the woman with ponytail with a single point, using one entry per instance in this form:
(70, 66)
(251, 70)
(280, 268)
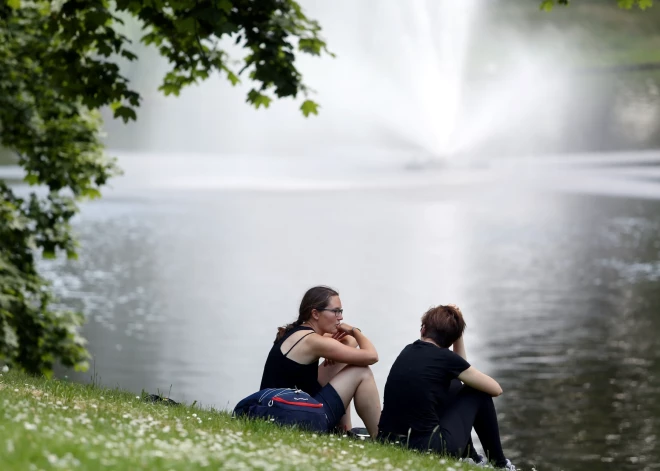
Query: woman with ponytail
(293, 361)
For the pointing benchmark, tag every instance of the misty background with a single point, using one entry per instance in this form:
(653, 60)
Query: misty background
(478, 152)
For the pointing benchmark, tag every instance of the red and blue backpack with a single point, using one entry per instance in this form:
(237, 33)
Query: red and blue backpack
(284, 406)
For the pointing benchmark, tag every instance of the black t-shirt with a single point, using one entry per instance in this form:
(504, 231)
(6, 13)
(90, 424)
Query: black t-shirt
(417, 386)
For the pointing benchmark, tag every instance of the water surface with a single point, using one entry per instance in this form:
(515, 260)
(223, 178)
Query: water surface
(186, 274)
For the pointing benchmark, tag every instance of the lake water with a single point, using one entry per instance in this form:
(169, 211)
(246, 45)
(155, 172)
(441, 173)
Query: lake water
(189, 265)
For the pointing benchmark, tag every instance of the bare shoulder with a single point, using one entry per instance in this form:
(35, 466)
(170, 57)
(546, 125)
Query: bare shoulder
(297, 336)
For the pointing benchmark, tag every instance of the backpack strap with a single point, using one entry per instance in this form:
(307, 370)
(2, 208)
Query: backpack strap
(297, 343)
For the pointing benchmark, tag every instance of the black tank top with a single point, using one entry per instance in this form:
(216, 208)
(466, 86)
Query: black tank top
(282, 372)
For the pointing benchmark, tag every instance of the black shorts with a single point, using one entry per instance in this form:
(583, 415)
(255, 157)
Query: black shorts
(332, 405)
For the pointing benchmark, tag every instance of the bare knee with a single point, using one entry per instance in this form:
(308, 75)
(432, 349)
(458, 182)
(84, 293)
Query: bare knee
(363, 372)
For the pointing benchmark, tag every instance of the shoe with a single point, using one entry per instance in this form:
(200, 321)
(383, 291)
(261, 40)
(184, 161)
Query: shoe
(509, 466)
(160, 399)
(480, 461)
(360, 433)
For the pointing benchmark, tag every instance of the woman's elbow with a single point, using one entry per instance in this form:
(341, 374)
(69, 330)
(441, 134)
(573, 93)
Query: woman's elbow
(371, 359)
(497, 391)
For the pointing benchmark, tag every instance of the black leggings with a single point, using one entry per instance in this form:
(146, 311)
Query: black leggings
(469, 408)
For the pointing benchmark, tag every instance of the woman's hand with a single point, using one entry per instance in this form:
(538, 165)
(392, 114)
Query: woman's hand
(344, 338)
(339, 335)
(329, 348)
(345, 329)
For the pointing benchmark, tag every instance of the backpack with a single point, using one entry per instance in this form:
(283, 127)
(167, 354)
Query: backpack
(284, 406)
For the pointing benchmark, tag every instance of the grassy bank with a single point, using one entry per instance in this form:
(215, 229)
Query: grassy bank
(50, 424)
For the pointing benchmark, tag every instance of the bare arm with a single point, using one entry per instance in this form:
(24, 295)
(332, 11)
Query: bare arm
(478, 380)
(344, 338)
(331, 349)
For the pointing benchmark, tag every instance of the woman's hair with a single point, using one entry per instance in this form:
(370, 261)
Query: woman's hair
(317, 298)
(443, 324)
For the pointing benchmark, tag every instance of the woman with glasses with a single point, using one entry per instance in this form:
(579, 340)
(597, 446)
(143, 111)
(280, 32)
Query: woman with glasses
(293, 361)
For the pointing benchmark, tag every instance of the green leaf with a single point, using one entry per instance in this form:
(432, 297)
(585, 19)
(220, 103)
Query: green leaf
(186, 25)
(125, 113)
(310, 46)
(91, 193)
(14, 4)
(225, 5)
(128, 55)
(233, 78)
(546, 5)
(31, 179)
(258, 99)
(49, 254)
(309, 107)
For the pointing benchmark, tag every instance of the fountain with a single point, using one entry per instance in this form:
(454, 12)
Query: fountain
(400, 93)
(394, 89)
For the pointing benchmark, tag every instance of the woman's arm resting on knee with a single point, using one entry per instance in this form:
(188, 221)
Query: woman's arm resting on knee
(478, 380)
(344, 338)
(331, 349)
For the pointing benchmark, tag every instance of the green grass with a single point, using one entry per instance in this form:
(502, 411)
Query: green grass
(52, 424)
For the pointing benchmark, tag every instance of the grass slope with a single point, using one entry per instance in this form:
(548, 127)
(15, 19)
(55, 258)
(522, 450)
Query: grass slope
(51, 424)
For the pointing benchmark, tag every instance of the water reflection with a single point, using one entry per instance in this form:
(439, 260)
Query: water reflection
(185, 289)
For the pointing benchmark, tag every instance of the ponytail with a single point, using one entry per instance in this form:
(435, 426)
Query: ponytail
(282, 331)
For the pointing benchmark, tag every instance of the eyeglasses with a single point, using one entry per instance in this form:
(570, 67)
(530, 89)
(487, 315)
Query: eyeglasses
(338, 311)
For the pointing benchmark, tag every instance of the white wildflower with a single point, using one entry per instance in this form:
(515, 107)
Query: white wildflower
(5, 369)
(29, 426)
(194, 415)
